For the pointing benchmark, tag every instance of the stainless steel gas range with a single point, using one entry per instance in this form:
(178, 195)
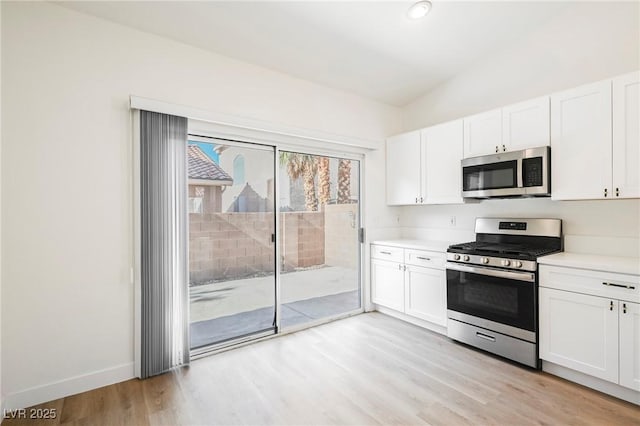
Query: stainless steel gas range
(492, 286)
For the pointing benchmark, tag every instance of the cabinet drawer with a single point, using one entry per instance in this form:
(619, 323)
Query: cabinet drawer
(393, 254)
(595, 283)
(429, 259)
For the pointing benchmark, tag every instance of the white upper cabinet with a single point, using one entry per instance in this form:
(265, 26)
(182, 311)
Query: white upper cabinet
(593, 130)
(483, 134)
(526, 124)
(581, 142)
(595, 140)
(626, 136)
(511, 128)
(442, 153)
(423, 167)
(404, 175)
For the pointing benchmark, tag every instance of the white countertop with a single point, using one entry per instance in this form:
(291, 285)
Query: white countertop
(440, 246)
(620, 265)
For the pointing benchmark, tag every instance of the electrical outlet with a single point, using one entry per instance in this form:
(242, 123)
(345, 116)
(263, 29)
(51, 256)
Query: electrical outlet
(452, 221)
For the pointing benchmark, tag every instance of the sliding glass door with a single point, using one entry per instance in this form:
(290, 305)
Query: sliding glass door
(235, 293)
(232, 283)
(319, 237)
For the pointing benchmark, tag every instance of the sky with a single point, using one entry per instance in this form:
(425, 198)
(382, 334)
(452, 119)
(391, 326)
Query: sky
(209, 149)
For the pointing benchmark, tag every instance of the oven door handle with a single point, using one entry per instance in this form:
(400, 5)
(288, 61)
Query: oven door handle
(499, 273)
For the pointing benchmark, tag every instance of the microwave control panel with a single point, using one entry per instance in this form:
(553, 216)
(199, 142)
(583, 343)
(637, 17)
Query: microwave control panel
(532, 171)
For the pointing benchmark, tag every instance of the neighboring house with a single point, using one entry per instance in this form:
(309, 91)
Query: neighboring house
(248, 200)
(252, 173)
(207, 182)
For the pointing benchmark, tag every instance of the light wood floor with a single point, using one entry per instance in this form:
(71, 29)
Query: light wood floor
(368, 369)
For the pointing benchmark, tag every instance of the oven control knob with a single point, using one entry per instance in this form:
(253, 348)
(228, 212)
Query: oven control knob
(506, 262)
(456, 257)
(517, 264)
(465, 258)
(484, 260)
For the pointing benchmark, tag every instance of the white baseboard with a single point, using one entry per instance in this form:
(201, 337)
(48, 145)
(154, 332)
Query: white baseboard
(415, 321)
(603, 386)
(67, 387)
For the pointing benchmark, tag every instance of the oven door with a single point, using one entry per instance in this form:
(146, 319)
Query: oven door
(496, 297)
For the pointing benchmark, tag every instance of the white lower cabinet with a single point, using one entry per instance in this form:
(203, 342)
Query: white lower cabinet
(387, 280)
(590, 322)
(629, 328)
(426, 294)
(413, 283)
(579, 332)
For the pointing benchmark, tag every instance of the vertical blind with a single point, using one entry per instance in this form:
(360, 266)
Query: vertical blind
(163, 208)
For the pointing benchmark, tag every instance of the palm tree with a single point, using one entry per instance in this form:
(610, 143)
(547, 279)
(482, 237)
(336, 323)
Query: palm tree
(344, 181)
(324, 193)
(305, 166)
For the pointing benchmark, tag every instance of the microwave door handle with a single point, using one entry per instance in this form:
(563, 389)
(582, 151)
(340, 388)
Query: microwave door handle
(519, 173)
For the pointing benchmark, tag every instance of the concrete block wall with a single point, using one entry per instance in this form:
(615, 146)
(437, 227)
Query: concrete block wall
(302, 238)
(341, 235)
(226, 246)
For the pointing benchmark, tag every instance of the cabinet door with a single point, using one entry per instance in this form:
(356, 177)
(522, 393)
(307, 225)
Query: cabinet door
(387, 284)
(526, 124)
(581, 142)
(626, 136)
(403, 169)
(630, 345)
(426, 294)
(579, 332)
(483, 133)
(441, 163)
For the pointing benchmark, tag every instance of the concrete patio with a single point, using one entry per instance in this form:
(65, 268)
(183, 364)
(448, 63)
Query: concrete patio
(223, 310)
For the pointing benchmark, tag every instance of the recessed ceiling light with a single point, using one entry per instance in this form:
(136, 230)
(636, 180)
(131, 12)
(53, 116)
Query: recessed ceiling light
(419, 10)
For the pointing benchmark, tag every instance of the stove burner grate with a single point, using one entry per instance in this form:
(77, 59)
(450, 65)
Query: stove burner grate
(507, 250)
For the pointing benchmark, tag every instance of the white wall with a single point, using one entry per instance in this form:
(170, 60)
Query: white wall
(590, 41)
(606, 220)
(67, 302)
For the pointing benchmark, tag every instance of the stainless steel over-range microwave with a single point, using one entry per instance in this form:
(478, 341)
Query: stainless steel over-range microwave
(525, 173)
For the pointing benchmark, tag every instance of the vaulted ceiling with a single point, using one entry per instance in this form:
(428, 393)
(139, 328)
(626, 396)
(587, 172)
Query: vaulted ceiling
(367, 47)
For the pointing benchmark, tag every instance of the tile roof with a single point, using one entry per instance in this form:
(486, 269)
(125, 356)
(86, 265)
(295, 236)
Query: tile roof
(202, 167)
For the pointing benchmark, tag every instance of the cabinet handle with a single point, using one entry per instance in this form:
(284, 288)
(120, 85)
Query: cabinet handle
(630, 287)
(496, 148)
(416, 200)
(399, 267)
(405, 267)
(611, 306)
(617, 192)
(606, 192)
(421, 199)
(424, 258)
(385, 252)
(624, 308)
(504, 148)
